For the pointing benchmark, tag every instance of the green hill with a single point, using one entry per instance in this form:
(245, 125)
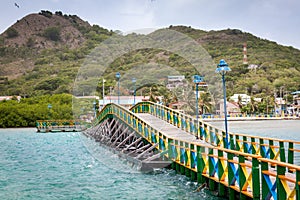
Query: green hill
(41, 54)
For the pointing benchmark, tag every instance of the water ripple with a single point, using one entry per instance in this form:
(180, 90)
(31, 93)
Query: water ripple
(70, 166)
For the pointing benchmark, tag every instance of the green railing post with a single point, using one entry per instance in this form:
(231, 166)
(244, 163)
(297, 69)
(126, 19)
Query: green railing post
(281, 193)
(271, 146)
(232, 147)
(221, 172)
(237, 145)
(200, 165)
(224, 139)
(261, 146)
(281, 151)
(187, 161)
(230, 176)
(211, 169)
(242, 177)
(264, 185)
(170, 152)
(253, 145)
(193, 174)
(255, 179)
(291, 153)
(245, 144)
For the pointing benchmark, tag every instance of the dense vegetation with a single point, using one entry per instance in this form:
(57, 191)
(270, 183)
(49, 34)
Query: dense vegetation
(35, 71)
(27, 111)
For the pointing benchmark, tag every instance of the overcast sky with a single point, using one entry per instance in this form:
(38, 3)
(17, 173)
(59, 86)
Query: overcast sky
(276, 20)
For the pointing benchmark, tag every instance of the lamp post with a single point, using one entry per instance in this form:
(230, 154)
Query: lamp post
(222, 69)
(103, 81)
(134, 88)
(197, 80)
(118, 75)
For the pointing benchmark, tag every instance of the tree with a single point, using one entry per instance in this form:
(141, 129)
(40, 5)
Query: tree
(205, 102)
(239, 102)
(253, 105)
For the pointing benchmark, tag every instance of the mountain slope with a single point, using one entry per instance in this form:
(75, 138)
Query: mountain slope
(41, 54)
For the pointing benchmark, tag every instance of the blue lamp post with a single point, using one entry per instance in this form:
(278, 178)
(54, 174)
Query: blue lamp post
(118, 75)
(134, 81)
(222, 69)
(197, 79)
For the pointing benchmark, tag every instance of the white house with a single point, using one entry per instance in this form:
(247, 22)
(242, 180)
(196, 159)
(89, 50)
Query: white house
(245, 98)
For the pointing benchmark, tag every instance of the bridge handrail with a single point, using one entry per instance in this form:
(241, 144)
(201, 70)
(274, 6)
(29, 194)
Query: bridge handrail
(227, 167)
(266, 147)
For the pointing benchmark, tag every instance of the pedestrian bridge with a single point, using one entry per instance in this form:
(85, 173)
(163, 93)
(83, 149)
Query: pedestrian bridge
(252, 168)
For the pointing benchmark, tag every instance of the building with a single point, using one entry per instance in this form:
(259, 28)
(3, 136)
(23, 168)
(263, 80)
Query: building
(245, 98)
(280, 105)
(126, 101)
(175, 81)
(296, 103)
(6, 98)
(232, 108)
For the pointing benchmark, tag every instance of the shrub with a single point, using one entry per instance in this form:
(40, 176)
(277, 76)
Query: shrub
(46, 13)
(11, 33)
(52, 33)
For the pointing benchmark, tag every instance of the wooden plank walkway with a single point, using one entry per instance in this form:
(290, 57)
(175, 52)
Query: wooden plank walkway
(169, 130)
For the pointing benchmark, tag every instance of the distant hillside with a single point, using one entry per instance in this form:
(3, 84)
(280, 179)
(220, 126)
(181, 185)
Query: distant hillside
(41, 54)
(270, 65)
(46, 30)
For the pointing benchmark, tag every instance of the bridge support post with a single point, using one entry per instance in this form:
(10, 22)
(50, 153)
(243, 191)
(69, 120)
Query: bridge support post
(193, 175)
(182, 170)
(187, 172)
(177, 168)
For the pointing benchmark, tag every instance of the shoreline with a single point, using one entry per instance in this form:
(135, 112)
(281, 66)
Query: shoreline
(249, 119)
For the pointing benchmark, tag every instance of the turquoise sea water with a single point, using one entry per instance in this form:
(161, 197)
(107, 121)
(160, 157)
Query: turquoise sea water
(71, 166)
(281, 129)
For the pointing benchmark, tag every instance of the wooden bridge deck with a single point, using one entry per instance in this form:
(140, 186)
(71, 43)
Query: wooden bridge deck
(169, 130)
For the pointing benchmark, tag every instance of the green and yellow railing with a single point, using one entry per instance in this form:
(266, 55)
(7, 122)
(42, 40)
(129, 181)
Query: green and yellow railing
(248, 175)
(275, 149)
(58, 124)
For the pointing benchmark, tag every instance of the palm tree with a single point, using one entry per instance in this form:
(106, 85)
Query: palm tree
(205, 102)
(253, 105)
(239, 102)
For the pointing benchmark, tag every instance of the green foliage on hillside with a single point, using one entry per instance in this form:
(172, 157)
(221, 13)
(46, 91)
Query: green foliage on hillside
(53, 71)
(52, 33)
(11, 33)
(27, 111)
(276, 65)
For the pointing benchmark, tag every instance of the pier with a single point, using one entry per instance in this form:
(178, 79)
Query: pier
(45, 126)
(250, 168)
